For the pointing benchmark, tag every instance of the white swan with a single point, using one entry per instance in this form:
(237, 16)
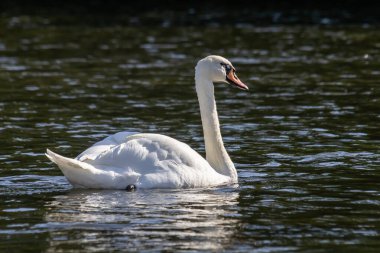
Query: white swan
(158, 161)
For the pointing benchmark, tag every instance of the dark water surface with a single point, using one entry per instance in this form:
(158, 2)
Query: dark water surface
(305, 139)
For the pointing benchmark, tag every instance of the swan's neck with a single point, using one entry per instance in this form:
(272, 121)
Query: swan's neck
(216, 154)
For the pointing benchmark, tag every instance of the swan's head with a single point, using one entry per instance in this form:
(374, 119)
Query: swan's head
(218, 70)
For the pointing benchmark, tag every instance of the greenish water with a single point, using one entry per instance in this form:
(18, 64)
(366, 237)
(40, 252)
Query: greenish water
(305, 138)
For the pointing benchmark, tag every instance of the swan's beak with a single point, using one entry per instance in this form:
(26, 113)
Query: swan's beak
(235, 81)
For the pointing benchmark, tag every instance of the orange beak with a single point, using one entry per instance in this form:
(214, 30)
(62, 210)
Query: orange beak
(234, 80)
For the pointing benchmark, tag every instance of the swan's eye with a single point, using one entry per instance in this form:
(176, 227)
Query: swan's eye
(227, 67)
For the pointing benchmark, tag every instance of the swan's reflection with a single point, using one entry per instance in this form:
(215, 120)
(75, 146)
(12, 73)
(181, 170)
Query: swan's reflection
(155, 219)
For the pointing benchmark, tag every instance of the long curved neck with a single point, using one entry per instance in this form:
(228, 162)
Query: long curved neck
(216, 154)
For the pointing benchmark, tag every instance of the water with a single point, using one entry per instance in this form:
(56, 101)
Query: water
(305, 138)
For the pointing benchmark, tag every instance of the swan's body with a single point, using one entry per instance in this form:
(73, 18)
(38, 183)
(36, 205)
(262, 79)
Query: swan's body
(145, 160)
(158, 161)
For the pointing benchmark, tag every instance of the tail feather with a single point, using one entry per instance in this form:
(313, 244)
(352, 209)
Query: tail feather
(67, 162)
(79, 174)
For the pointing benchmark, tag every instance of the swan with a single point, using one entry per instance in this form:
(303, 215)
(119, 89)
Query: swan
(144, 160)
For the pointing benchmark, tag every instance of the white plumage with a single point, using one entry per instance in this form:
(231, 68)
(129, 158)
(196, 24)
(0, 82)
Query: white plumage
(158, 161)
